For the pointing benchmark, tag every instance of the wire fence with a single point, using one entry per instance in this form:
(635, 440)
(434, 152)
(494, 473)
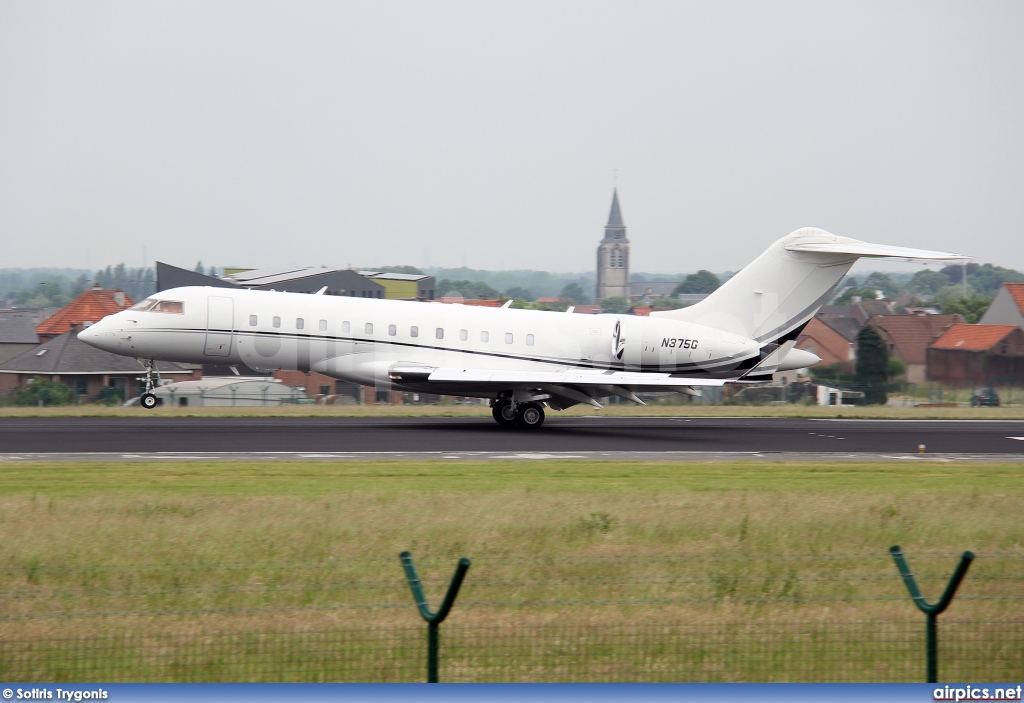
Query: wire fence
(787, 617)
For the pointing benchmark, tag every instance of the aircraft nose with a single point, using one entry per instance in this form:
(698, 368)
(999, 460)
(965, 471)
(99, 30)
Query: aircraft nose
(99, 336)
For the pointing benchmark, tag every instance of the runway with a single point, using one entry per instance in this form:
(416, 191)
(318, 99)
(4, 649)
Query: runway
(568, 437)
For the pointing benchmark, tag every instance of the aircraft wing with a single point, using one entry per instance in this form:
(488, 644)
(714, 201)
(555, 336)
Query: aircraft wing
(562, 388)
(573, 378)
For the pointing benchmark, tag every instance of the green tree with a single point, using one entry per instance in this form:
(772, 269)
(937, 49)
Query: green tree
(880, 281)
(615, 305)
(574, 292)
(701, 282)
(987, 279)
(928, 282)
(872, 366)
(847, 297)
(110, 395)
(948, 294)
(519, 293)
(467, 289)
(971, 308)
(41, 391)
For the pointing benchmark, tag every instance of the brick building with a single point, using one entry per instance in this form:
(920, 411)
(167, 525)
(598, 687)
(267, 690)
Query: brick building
(975, 355)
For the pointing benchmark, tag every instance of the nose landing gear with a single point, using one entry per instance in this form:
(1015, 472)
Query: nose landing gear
(148, 400)
(507, 413)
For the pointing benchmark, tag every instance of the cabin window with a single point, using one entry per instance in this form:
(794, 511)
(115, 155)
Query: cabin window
(346, 327)
(485, 336)
(277, 321)
(392, 330)
(369, 328)
(508, 338)
(463, 335)
(172, 306)
(439, 333)
(300, 323)
(323, 325)
(414, 331)
(529, 340)
(253, 320)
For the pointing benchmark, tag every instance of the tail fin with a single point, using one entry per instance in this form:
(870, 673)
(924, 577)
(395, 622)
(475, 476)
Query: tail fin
(774, 296)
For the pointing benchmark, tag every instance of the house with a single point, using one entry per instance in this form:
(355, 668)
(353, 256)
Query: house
(909, 336)
(84, 368)
(17, 334)
(861, 310)
(90, 307)
(973, 355)
(832, 339)
(1007, 307)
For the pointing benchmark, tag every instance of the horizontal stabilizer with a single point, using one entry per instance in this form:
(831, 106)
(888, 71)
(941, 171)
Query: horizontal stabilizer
(856, 248)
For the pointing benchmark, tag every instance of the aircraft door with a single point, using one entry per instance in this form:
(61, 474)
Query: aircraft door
(219, 325)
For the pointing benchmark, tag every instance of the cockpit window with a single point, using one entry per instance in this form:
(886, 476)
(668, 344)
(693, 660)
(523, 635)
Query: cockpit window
(144, 305)
(172, 306)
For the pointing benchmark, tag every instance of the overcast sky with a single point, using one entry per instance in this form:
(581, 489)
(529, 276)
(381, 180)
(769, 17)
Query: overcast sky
(490, 134)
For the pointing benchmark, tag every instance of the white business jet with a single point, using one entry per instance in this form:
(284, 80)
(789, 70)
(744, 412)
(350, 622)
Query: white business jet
(522, 360)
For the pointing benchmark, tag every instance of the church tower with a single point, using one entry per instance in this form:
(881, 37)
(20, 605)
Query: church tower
(613, 256)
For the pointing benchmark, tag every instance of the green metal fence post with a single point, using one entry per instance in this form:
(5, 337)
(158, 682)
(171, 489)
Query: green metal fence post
(931, 610)
(434, 620)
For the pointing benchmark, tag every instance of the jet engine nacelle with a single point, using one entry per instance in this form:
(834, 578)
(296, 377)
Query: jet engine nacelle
(674, 346)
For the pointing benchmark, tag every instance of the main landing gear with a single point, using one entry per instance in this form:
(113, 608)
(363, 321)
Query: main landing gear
(149, 399)
(526, 415)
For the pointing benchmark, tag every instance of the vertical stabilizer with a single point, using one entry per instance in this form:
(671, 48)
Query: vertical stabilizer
(772, 298)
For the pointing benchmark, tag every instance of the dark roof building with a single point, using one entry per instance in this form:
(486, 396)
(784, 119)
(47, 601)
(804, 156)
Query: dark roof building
(84, 368)
(17, 334)
(306, 279)
(830, 339)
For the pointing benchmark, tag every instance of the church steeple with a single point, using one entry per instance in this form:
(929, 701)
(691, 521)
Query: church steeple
(615, 216)
(613, 256)
(615, 230)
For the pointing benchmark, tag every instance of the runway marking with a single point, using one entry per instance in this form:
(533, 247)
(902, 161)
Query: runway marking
(1019, 438)
(891, 420)
(539, 456)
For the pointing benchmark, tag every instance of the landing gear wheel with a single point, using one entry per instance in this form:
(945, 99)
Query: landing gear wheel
(148, 401)
(503, 413)
(530, 415)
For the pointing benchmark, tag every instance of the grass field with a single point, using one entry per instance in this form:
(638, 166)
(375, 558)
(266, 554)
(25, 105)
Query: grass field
(475, 410)
(582, 571)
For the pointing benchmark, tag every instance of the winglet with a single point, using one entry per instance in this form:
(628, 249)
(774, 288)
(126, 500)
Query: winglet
(508, 302)
(321, 291)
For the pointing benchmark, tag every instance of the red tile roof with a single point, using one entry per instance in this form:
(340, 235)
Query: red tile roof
(1017, 293)
(91, 306)
(910, 335)
(973, 337)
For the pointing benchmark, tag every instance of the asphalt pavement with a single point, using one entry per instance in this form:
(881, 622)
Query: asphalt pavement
(675, 436)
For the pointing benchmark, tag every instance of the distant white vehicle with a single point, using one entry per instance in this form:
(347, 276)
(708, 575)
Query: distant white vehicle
(522, 360)
(230, 391)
